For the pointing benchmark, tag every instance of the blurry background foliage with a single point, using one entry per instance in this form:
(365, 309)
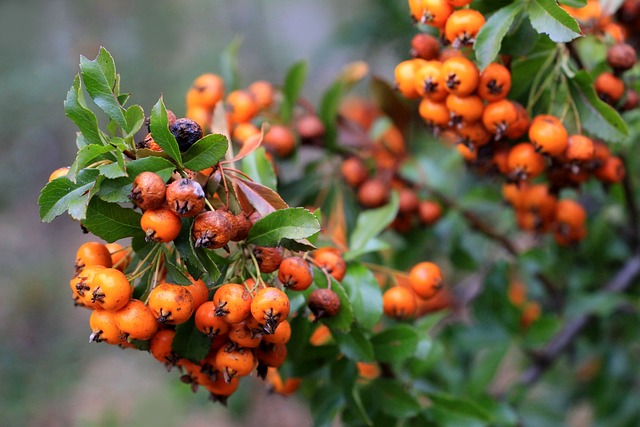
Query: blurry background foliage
(49, 374)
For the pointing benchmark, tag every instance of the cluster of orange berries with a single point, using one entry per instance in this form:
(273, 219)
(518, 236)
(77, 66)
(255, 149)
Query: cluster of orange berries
(246, 322)
(372, 169)
(529, 310)
(470, 108)
(246, 109)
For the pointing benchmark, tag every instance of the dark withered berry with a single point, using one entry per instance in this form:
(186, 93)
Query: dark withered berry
(242, 227)
(186, 131)
(185, 197)
(212, 230)
(323, 303)
(631, 100)
(268, 258)
(621, 57)
(148, 191)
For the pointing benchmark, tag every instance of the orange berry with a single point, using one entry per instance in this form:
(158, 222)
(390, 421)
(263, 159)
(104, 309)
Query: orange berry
(461, 76)
(399, 302)
(160, 225)
(425, 279)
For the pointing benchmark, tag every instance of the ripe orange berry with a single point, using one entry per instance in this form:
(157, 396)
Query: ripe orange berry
(271, 355)
(232, 302)
(199, 291)
(517, 293)
(498, 117)
(295, 273)
(429, 212)
(373, 193)
(459, 3)
(263, 92)
(330, 260)
(468, 152)
(120, 256)
(495, 82)
(201, 115)
(425, 279)
(206, 90)
(473, 134)
(171, 304)
(429, 81)
(244, 335)
(243, 131)
(104, 327)
(59, 173)
(399, 302)
(241, 106)
(208, 323)
(233, 361)
(466, 109)
(611, 171)
(110, 289)
(281, 335)
(461, 76)
(609, 88)
(570, 214)
(524, 162)
(269, 307)
(517, 129)
(405, 76)
(160, 225)
(82, 286)
(463, 26)
(435, 114)
(548, 135)
(160, 347)
(580, 148)
(92, 253)
(435, 12)
(354, 171)
(136, 320)
(280, 140)
(530, 313)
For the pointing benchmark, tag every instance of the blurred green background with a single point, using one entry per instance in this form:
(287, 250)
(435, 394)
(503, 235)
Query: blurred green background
(50, 375)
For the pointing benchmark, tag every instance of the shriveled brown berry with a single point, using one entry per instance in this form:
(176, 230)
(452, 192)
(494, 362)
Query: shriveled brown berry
(324, 303)
(148, 191)
(310, 128)
(185, 197)
(242, 226)
(212, 230)
(268, 258)
(354, 171)
(621, 57)
(631, 100)
(373, 193)
(425, 46)
(186, 132)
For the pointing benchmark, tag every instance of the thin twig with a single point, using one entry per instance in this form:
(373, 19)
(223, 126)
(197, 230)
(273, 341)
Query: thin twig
(544, 358)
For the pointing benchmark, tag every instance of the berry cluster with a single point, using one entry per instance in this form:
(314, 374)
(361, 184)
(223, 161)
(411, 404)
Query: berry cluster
(537, 157)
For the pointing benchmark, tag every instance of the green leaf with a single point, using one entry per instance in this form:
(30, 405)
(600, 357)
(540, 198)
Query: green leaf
(549, 18)
(189, 342)
(210, 261)
(175, 274)
(98, 77)
(260, 169)
(369, 224)
(62, 194)
(365, 295)
(394, 399)
(112, 222)
(206, 152)
(76, 109)
(134, 116)
(574, 3)
(290, 223)
(354, 345)
(159, 124)
(489, 39)
(293, 83)
(229, 64)
(395, 344)
(597, 117)
(461, 406)
(87, 155)
(159, 165)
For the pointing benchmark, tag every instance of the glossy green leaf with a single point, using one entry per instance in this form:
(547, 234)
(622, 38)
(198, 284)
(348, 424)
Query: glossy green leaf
(461, 406)
(290, 223)
(189, 342)
(260, 169)
(369, 224)
(99, 76)
(76, 109)
(365, 295)
(229, 69)
(159, 124)
(574, 3)
(395, 344)
(134, 116)
(206, 152)
(597, 117)
(112, 222)
(489, 39)
(293, 83)
(62, 194)
(354, 345)
(394, 399)
(87, 155)
(549, 18)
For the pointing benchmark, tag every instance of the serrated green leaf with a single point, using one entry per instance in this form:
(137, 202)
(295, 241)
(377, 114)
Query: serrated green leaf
(260, 169)
(206, 152)
(210, 261)
(87, 155)
(175, 274)
(290, 223)
(369, 224)
(76, 109)
(597, 117)
(365, 295)
(549, 18)
(394, 399)
(293, 83)
(461, 406)
(62, 193)
(134, 116)
(489, 39)
(189, 342)
(395, 344)
(112, 222)
(354, 345)
(159, 124)
(574, 3)
(98, 77)
(114, 170)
